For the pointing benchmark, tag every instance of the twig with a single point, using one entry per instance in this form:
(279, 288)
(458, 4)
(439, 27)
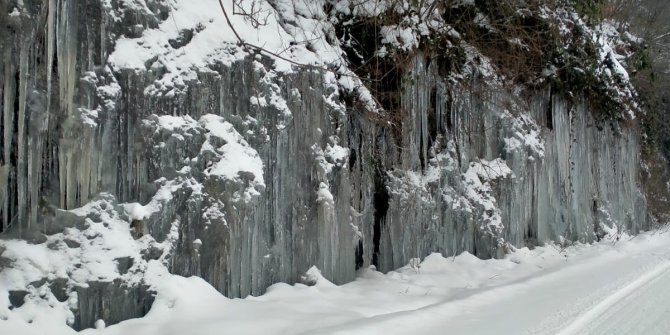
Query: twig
(247, 46)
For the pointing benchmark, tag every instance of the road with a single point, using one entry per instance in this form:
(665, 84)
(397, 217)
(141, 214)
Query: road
(623, 291)
(642, 307)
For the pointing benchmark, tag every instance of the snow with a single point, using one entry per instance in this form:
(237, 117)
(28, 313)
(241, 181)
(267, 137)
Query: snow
(235, 160)
(602, 307)
(537, 291)
(487, 170)
(237, 156)
(332, 156)
(212, 41)
(462, 290)
(336, 153)
(100, 324)
(478, 180)
(90, 255)
(634, 309)
(610, 69)
(608, 54)
(137, 211)
(402, 38)
(171, 123)
(323, 195)
(295, 31)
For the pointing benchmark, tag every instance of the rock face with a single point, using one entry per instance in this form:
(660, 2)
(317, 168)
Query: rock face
(264, 174)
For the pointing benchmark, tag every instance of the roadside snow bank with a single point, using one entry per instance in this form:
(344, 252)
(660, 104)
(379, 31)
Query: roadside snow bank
(191, 306)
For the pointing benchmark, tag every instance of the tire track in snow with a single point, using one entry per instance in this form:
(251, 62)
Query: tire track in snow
(601, 308)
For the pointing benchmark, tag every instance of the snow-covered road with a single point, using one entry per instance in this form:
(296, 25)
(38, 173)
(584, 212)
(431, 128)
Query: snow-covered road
(608, 288)
(623, 290)
(643, 307)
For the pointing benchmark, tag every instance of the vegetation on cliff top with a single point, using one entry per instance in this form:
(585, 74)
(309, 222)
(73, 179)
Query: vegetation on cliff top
(533, 44)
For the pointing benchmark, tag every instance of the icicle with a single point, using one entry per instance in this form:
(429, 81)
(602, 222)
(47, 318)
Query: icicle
(51, 30)
(22, 143)
(62, 174)
(65, 39)
(36, 168)
(86, 169)
(8, 121)
(4, 179)
(70, 171)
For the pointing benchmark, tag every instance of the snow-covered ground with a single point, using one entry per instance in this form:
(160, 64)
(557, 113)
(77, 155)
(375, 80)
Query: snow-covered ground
(613, 287)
